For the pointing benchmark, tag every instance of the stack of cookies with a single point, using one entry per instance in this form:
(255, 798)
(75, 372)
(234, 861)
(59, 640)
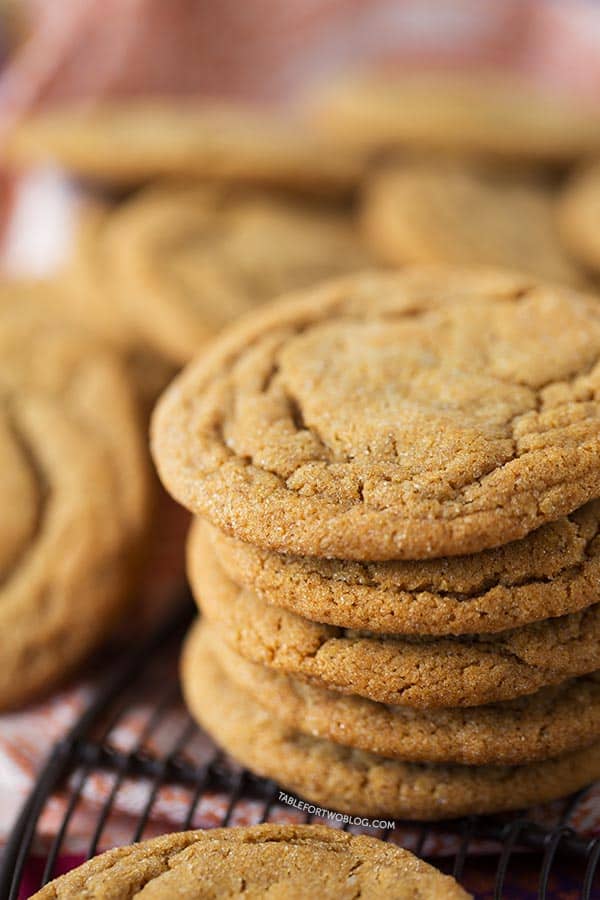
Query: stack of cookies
(397, 555)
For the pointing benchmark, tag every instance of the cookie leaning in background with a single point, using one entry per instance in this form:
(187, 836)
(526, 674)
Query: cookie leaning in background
(73, 495)
(132, 142)
(257, 861)
(445, 212)
(91, 294)
(361, 783)
(190, 259)
(391, 416)
(578, 215)
(483, 115)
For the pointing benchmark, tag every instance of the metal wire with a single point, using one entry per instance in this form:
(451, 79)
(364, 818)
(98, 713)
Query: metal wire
(89, 749)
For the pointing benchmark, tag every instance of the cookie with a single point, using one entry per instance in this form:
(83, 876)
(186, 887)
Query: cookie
(490, 116)
(552, 722)
(552, 571)
(425, 413)
(578, 215)
(92, 296)
(365, 784)
(292, 861)
(73, 494)
(435, 212)
(130, 142)
(408, 671)
(193, 258)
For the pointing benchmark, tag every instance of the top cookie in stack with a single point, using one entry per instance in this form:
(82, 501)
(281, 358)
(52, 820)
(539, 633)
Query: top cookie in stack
(400, 471)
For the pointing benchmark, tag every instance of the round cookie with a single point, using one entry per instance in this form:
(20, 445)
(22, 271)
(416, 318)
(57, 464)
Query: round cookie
(407, 671)
(93, 297)
(360, 783)
(549, 723)
(552, 571)
(435, 212)
(425, 413)
(132, 142)
(73, 494)
(491, 116)
(578, 215)
(291, 861)
(192, 258)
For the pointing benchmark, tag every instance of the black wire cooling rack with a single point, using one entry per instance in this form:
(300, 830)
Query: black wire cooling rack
(160, 757)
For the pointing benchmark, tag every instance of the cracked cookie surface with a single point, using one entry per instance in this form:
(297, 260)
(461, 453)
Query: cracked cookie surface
(435, 212)
(360, 783)
(396, 669)
(425, 413)
(200, 256)
(291, 861)
(552, 571)
(549, 723)
(73, 495)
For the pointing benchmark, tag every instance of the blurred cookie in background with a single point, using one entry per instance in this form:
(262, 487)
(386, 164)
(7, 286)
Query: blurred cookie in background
(130, 142)
(92, 296)
(578, 215)
(74, 488)
(496, 116)
(190, 259)
(453, 212)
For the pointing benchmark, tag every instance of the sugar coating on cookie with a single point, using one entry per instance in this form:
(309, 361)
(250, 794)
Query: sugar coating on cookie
(435, 411)
(550, 572)
(361, 783)
(255, 861)
(546, 724)
(396, 669)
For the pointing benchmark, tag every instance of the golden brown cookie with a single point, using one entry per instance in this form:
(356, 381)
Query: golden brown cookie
(492, 116)
(360, 783)
(191, 259)
(286, 861)
(552, 722)
(435, 212)
(134, 141)
(578, 215)
(408, 671)
(73, 495)
(552, 571)
(425, 413)
(93, 296)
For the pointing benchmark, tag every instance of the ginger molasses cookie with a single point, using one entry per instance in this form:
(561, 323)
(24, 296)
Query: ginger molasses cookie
(130, 142)
(408, 671)
(487, 115)
(578, 215)
(549, 723)
(359, 783)
(93, 296)
(430, 412)
(73, 495)
(435, 212)
(292, 861)
(552, 571)
(192, 258)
